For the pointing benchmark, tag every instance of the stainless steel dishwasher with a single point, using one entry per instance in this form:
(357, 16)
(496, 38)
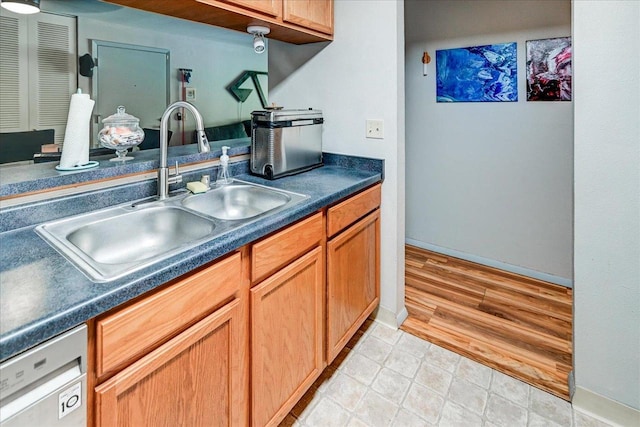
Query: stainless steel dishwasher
(47, 385)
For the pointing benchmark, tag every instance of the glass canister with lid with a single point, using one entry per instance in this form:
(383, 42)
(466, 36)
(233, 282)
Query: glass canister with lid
(121, 131)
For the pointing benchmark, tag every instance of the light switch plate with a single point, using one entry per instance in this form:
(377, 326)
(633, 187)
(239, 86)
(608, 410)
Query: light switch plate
(375, 129)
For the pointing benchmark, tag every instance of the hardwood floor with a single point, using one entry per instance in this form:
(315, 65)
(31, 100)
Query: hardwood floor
(514, 324)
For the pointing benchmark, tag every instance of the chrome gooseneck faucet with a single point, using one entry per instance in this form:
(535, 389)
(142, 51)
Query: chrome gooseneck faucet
(164, 176)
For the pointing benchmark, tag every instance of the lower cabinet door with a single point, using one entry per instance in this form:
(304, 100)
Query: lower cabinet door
(286, 337)
(192, 380)
(353, 280)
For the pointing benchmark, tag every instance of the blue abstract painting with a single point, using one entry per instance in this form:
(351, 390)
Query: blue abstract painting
(477, 74)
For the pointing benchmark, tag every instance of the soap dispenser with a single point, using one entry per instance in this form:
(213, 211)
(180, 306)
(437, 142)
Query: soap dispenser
(223, 170)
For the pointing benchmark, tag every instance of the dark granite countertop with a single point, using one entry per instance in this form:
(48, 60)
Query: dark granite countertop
(42, 294)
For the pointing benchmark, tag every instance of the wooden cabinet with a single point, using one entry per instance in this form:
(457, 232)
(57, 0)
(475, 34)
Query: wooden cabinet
(192, 380)
(293, 21)
(287, 321)
(286, 339)
(270, 7)
(127, 334)
(353, 267)
(314, 14)
(178, 356)
(278, 250)
(310, 14)
(240, 341)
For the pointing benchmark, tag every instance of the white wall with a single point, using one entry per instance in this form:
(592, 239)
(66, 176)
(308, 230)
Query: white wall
(607, 200)
(358, 76)
(491, 182)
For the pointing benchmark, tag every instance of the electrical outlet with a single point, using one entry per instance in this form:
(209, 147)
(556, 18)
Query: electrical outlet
(375, 129)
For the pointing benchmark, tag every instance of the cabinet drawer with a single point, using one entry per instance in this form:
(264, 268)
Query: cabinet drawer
(132, 331)
(349, 211)
(283, 247)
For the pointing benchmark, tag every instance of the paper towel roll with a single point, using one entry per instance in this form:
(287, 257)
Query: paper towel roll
(75, 149)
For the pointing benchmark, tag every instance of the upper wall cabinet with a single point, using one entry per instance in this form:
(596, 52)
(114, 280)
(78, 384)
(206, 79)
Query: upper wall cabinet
(292, 21)
(270, 7)
(314, 14)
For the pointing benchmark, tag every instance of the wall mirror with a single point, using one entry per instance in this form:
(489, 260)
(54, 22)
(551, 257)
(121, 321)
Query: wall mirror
(215, 58)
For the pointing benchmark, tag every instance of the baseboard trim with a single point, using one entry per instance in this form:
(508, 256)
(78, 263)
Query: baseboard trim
(390, 318)
(402, 316)
(605, 409)
(562, 281)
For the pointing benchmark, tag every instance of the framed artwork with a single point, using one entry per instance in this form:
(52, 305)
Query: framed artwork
(477, 74)
(549, 69)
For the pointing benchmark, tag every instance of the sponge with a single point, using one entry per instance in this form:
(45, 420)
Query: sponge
(196, 187)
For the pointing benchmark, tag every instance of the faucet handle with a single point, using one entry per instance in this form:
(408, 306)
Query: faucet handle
(176, 177)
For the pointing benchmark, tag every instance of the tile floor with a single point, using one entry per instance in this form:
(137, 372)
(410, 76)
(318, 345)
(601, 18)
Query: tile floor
(387, 377)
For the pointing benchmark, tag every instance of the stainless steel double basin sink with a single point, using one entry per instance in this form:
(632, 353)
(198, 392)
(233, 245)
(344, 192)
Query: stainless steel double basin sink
(110, 243)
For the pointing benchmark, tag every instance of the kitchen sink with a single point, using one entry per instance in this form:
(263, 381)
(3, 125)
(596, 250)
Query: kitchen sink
(112, 242)
(139, 235)
(238, 200)
(109, 243)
